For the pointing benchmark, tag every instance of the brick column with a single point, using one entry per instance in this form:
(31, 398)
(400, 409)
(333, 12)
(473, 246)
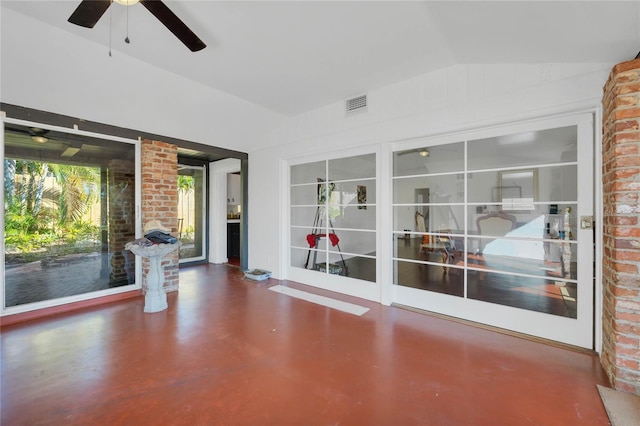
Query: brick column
(160, 199)
(621, 228)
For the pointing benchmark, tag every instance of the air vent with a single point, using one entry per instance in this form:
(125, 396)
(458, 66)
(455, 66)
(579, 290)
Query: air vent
(358, 104)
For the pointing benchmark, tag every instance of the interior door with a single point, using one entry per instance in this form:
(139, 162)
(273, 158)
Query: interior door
(504, 245)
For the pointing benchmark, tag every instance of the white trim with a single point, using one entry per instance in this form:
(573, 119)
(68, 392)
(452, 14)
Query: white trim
(203, 169)
(4, 249)
(598, 210)
(218, 171)
(18, 309)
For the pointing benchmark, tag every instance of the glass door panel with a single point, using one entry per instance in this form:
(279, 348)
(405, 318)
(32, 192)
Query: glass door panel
(69, 211)
(501, 234)
(333, 216)
(191, 212)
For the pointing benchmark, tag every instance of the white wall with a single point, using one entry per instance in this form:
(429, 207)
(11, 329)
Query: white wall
(454, 99)
(43, 67)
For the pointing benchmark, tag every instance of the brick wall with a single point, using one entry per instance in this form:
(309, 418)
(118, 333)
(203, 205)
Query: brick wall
(621, 227)
(160, 199)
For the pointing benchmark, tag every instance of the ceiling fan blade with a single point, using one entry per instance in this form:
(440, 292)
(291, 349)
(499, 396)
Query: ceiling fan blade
(174, 24)
(89, 12)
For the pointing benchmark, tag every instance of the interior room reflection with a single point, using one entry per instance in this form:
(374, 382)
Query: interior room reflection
(333, 217)
(505, 225)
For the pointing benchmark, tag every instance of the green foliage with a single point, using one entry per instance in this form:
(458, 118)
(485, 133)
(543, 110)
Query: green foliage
(186, 184)
(41, 218)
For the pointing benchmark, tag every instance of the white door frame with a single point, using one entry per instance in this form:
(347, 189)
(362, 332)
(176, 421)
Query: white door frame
(218, 207)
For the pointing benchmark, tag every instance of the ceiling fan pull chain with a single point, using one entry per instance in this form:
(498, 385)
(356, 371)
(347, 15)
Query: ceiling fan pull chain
(126, 39)
(110, 15)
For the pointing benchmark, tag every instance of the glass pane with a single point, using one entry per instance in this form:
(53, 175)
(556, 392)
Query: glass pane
(429, 189)
(325, 213)
(69, 211)
(534, 294)
(483, 187)
(358, 167)
(191, 181)
(300, 257)
(353, 242)
(429, 218)
(434, 248)
(315, 260)
(300, 237)
(304, 216)
(306, 195)
(522, 149)
(360, 192)
(438, 279)
(554, 258)
(433, 159)
(362, 268)
(308, 173)
(544, 221)
(355, 218)
(558, 183)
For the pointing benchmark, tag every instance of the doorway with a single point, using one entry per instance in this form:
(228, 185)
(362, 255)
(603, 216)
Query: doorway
(192, 212)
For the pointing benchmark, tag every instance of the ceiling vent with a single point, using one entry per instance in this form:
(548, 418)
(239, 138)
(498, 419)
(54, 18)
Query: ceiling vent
(358, 104)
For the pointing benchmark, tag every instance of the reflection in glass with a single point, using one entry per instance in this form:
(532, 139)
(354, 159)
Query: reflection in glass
(308, 173)
(507, 224)
(446, 158)
(305, 195)
(352, 217)
(535, 294)
(357, 167)
(359, 267)
(522, 149)
(441, 189)
(191, 196)
(360, 192)
(334, 217)
(440, 218)
(67, 217)
(429, 277)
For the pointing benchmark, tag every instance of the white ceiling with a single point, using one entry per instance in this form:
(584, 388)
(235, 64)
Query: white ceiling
(294, 56)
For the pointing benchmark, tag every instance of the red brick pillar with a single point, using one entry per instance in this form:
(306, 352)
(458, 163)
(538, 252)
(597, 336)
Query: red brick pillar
(160, 198)
(621, 227)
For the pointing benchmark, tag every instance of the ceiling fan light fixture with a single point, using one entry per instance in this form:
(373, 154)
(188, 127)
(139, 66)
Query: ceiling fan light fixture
(39, 138)
(127, 2)
(423, 153)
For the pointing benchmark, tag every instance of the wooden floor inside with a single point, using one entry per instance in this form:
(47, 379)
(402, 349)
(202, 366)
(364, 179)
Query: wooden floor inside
(228, 351)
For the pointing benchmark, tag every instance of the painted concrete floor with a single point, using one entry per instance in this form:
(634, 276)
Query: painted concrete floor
(230, 352)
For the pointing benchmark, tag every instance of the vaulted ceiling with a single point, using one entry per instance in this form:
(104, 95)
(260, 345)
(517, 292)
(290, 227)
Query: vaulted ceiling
(293, 56)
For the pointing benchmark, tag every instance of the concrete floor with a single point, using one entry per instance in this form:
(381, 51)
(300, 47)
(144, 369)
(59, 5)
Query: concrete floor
(229, 352)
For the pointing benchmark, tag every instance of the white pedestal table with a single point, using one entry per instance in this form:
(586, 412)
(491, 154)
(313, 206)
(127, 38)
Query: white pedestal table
(155, 299)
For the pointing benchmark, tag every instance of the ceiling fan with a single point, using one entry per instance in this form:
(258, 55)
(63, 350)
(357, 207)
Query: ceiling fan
(67, 146)
(89, 12)
(423, 152)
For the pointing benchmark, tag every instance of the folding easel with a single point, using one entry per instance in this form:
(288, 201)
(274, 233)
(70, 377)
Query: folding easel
(313, 239)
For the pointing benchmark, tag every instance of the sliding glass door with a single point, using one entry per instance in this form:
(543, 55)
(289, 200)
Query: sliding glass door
(70, 208)
(495, 227)
(191, 212)
(333, 217)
